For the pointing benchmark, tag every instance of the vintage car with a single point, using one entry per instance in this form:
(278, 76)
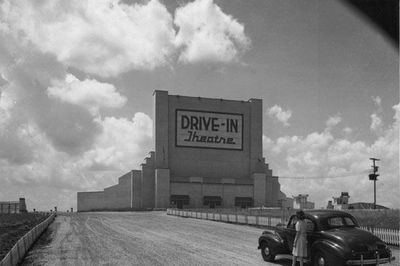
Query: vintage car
(333, 238)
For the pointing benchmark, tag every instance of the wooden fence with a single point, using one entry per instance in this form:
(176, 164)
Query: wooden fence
(230, 218)
(18, 251)
(389, 236)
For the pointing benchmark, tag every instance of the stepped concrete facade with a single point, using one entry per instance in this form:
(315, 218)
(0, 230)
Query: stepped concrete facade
(208, 154)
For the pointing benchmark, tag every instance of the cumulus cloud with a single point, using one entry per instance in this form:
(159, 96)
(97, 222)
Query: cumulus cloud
(376, 122)
(53, 146)
(333, 121)
(323, 165)
(396, 116)
(15, 149)
(6, 103)
(120, 147)
(277, 113)
(69, 127)
(378, 102)
(206, 33)
(99, 37)
(376, 117)
(53, 140)
(347, 130)
(122, 144)
(110, 37)
(89, 93)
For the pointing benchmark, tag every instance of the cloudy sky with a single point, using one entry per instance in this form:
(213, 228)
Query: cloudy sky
(77, 77)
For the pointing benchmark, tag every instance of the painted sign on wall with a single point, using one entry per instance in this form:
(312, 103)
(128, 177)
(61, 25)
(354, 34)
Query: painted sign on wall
(209, 130)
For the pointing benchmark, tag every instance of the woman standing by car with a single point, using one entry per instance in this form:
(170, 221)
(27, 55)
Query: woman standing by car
(300, 241)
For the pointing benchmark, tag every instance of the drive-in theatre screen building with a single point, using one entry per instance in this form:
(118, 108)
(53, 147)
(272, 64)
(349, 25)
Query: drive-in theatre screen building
(208, 153)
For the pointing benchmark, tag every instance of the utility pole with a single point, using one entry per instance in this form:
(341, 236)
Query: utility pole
(373, 176)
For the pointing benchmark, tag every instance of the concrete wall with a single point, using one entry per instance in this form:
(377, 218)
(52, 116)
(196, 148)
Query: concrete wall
(196, 191)
(275, 192)
(260, 189)
(161, 131)
(185, 161)
(136, 189)
(116, 197)
(162, 182)
(148, 182)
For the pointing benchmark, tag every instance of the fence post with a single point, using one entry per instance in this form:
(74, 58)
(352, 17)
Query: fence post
(24, 238)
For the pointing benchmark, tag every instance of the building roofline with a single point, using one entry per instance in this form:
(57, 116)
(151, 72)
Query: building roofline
(207, 98)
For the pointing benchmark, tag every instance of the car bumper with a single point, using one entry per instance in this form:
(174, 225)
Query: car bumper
(370, 261)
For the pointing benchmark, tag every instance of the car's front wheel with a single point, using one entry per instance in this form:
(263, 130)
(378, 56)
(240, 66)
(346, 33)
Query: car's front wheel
(266, 252)
(321, 258)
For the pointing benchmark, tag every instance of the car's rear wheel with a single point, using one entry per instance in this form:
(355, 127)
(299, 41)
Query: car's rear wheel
(266, 252)
(321, 258)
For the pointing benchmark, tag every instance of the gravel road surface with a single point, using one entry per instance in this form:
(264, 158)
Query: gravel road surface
(146, 238)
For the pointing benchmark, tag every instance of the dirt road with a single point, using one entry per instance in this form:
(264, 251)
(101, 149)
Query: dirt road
(145, 238)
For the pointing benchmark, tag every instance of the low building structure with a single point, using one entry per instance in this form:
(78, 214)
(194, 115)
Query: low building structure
(342, 203)
(208, 154)
(285, 203)
(13, 206)
(301, 202)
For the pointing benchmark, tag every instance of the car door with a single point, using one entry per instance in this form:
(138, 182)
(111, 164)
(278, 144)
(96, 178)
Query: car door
(311, 234)
(290, 232)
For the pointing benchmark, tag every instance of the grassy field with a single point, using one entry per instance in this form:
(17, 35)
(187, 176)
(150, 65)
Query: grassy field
(388, 219)
(14, 226)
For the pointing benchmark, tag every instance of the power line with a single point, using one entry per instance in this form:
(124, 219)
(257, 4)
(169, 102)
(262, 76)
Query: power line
(355, 174)
(326, 177)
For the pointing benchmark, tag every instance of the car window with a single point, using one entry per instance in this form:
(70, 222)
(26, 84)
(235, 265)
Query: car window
(340, 221)
(310, 225)
(349, 221)
(292, 223)
(335, 221)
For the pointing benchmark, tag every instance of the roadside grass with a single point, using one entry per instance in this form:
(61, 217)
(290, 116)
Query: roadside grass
(387, 219)
(380, 218)
(14, 226)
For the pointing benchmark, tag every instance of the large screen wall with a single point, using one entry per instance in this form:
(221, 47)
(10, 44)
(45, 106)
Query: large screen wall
(212, 130)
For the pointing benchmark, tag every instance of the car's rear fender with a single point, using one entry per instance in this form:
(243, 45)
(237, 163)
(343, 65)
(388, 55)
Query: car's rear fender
(329, 247)
(274, 241)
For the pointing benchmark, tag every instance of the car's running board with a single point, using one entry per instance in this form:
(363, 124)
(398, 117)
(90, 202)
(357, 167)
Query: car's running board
(289, 257)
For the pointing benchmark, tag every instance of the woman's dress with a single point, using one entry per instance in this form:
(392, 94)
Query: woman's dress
(300, 249)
